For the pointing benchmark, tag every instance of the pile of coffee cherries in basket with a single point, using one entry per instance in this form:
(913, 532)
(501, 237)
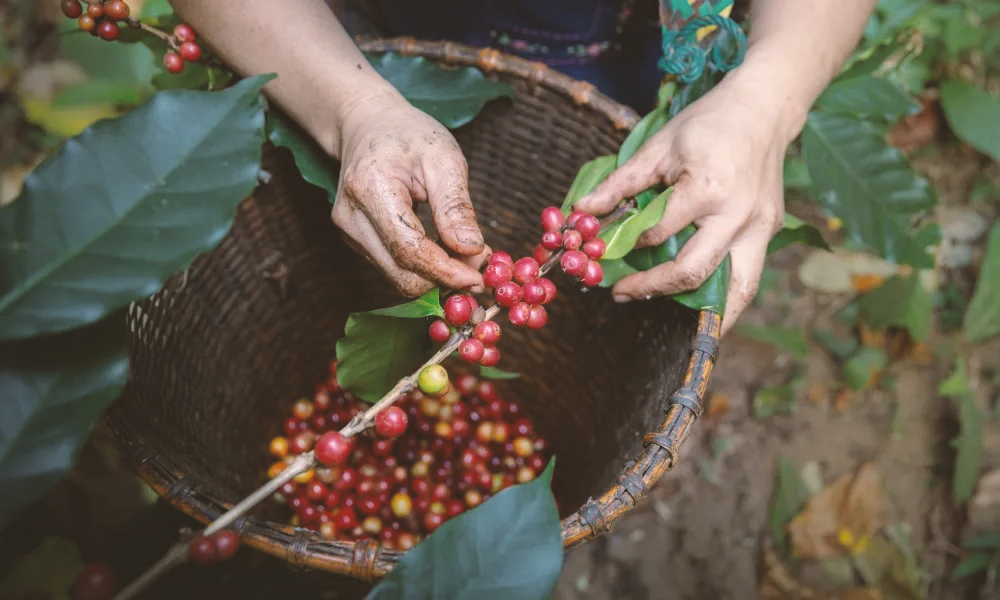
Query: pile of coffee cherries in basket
(431, 456)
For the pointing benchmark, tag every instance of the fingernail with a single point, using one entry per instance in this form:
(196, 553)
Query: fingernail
(621, 299)
(476, 289)
(469, 236)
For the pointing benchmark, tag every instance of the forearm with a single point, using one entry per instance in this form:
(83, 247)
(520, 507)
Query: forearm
(322, 75)
(796, 47)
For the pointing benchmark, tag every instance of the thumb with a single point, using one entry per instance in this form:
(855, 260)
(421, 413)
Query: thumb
(638, 174)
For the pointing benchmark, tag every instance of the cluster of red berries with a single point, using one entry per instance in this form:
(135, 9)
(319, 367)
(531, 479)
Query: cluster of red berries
(99, 19)
(428, 460)
(576, 235)
(205, 550)
(459, 311)
(187, 49)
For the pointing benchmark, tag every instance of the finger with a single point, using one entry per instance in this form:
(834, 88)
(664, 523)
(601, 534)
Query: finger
(390, 212)
(748, 254)
(638, 174)
(477, 261)
(446, 179)
(683, 208)
(696, 261)
(365, 241)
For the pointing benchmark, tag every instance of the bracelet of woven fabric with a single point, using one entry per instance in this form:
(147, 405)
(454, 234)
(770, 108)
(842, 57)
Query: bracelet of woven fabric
(683, 56)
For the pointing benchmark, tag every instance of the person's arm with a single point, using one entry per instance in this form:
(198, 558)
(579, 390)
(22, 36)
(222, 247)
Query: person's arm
(724, 153)
(391, 153)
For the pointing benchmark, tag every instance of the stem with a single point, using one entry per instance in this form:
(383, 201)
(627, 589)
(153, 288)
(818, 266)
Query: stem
(177, 553)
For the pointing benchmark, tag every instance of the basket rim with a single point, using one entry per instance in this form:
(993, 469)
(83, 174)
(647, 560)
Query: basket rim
(366, 559)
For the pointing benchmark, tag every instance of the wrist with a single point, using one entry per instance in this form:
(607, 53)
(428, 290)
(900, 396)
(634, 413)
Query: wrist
(361, 107)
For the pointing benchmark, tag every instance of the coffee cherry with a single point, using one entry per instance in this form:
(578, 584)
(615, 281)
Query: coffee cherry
(466, 384)
(588, 226)
(279, 447)
(328, 530)
(533, 292)
(594, 249)
(457, 310)
(432, 521)
(316, 490)
(372, 525)
(95, 582)
(201, 550)
(391, 422)
(537, 318)
(71, 8)
(487, 332)
(522, 428)
(573, 217)
(333, 449)
(471, 350)
(302, 409)
(305, 476)
(184, 33)
(226, 544)
(574, 262)
(541, 255)
(525, 270)
(95, 11)
(190, 51)
(501, 256)
(116, 9)
(86, 23)
(496, 273)
(439, 331)
(593, 274)
(473, 498)
(572, 240)
(401, 505)
(523, 447)
(172, 61)
(491, 356)
(552, 240)
(519, 313)
(302, 442)
(507, 294)
(552, 219)
(550, 290)
(432, 379)
(525, 474)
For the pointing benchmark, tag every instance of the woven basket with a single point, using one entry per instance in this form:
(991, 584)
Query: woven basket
(223, 350)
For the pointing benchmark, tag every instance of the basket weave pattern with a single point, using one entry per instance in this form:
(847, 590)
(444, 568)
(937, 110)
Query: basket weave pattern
(221, 352)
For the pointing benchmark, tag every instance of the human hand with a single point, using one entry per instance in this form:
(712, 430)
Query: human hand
(723, 156)
(393, 155)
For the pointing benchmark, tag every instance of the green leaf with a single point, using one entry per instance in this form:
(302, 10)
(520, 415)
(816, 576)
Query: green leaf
(54, 388)
(622, 236)
(968, 449)
(665, 94)
(783, 338)
(776, 400)
(866, 95)
(509, 547)
(453, 96)
(985, 541)
(866, 63)
(710, 296)
(790, 495)
(956, 385)
(974, 115)
(382, 346)
(795, 174)
(590, 175)
(130, 64)
(643, 130)
(497, 374)
(869, 186)
(615, 271)
(428, 305)
(970, 565)
(48, 571)
(982, 318)
(796, 231)
(93, 92)
(861, 367)
(841, 347)
(314, 164)
(899, 301)
(173, 195)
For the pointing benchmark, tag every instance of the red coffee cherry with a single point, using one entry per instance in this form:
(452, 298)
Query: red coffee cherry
(487, 332)
(95, 11)
(572, 240)
(574, 262)
(595, 248)
(537, 318)
(592, 274)
(497, 272)
(541, 255)
(226, 544)
(172, 62)
(574, 217)
(86, 23)
(332, 449)
(552, 240)
(184, 33)
(439, 331)
(491, 356)
(95, 582)
(391, 422)
(71, 8)
(507, 294)
(457, 310)
(202, 550)
(533, 292)
(108, 30)
(190, 51)
(116, 9)
(588, 226)
(525, 270)
(552, 219)
(501, 256)
(518, 314)
(550, 290)
(471, 350)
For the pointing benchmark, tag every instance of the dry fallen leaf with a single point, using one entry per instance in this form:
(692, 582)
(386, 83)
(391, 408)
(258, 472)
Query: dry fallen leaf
(718, 406)
(843, 400)
(841, 518)
(832, 272)
(866, 282)
(777, 583)
(915, 131)
(819, 393)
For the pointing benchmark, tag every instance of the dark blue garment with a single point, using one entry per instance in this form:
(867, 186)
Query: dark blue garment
(609, 43)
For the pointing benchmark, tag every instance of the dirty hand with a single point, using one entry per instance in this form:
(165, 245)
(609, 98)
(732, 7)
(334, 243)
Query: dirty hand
(393, 155)
(723, 155)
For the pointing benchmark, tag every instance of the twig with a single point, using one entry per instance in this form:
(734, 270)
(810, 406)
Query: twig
(177, 553)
